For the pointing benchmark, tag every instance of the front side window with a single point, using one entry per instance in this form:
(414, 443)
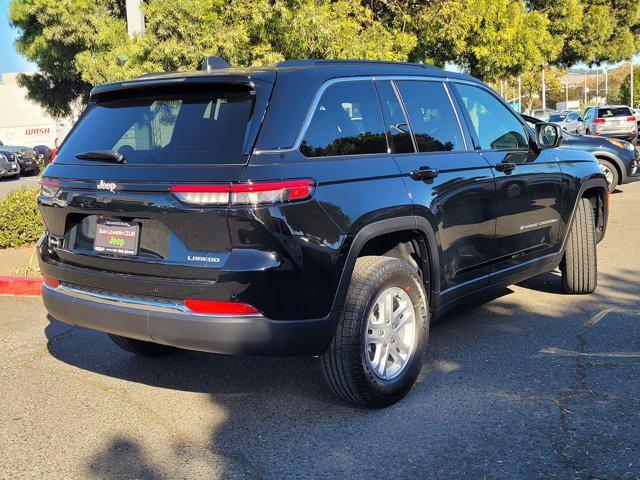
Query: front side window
(346, 121)
(433, 120)
(496, 127)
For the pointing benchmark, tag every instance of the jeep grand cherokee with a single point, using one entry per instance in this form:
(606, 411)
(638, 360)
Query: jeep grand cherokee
(330, 208)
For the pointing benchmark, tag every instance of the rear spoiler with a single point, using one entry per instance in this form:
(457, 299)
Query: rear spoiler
(144, 83)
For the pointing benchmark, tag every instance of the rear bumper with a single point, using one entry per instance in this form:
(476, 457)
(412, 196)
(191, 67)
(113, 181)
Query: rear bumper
(169, 323)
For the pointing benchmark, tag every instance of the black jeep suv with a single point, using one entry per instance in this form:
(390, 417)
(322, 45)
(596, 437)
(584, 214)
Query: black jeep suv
(329, 208)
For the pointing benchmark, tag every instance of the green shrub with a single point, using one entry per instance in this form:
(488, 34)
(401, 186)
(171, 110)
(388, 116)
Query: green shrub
(19, 221)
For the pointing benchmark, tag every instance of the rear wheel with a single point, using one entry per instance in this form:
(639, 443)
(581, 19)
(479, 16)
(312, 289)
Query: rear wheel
(377, 351)
(610, 173)
(579, 265)
(140, 347)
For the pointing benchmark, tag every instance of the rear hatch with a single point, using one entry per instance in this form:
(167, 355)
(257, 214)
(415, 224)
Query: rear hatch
(106, 201)
(615, 120)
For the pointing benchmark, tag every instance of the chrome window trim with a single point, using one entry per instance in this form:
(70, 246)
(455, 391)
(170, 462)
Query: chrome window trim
(396, 92)
(318, 95)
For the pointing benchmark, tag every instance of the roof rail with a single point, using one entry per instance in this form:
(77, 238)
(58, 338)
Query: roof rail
(214, 63)
(315, 62)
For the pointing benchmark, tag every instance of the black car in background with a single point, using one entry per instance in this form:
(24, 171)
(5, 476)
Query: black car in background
(618, 160)
(24, 156)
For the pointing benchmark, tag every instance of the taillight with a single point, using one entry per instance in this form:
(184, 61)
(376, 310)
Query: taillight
(258, 193)
(599, 120)
(54, 152)
(220, 308)
(49, 187)
(631, 119)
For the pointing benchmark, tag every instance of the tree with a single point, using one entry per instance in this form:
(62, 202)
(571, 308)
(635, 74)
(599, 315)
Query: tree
(80, 43)
(489, 38)
(592, 31)
(625, 88)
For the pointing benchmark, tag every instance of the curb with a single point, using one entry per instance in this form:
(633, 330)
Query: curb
(20, 285)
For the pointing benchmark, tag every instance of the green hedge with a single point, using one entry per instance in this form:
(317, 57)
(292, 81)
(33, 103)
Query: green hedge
(19, 221)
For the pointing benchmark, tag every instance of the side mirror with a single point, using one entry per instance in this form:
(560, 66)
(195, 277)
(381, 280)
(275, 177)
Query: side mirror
(548, 135)
(580, 119)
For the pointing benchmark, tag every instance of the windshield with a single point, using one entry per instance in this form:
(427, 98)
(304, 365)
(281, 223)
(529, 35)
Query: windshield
(200, 128)
(557, 118)
(614, 112)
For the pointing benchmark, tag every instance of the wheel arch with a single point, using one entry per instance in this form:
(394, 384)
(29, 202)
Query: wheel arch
(376, 236)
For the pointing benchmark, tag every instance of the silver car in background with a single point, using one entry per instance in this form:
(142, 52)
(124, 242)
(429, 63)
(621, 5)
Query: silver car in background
(569, 121)
(617, 121)
(8, 164)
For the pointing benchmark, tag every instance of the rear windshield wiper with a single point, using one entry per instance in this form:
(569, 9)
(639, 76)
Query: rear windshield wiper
(102, 156)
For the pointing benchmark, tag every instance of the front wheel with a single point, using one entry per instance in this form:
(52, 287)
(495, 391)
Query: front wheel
(377, 351)
(579, 266)
(610, 173)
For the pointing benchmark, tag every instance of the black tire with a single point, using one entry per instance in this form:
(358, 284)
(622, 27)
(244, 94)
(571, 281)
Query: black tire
(614, 172)
(579, 265)
(345, 365)
(140, 347)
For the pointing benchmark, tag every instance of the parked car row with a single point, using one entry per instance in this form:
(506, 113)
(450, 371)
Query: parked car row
(619, 160)
(18, 160)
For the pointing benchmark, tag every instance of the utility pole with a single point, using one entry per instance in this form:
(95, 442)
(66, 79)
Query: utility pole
(566, 89)
(631, 93)
(544, 91)
(597, 84)
(585, 89)
(520, 92)
(606, 84)
(135, 18)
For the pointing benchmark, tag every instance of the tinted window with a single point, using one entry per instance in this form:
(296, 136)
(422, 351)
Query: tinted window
(614, 112)
(496, 127)
(186, 128)
(573, 116)
(397, 125)
(347, 121)
(556, 118)
(433, 120)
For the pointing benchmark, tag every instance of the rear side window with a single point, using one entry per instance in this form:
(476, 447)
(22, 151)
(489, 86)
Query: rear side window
(346, 121)
(496, 127)
(431, 115)
(614, 112)
(203, 128)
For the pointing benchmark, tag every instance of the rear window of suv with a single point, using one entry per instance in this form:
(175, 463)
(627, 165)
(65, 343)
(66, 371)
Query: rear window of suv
(614, 112)
(198, 128)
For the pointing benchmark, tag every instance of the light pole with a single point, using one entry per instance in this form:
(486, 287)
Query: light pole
(544, 91)
(631, 93)
(585, 89)
(566, 89)
(606, 85)
(520, 92)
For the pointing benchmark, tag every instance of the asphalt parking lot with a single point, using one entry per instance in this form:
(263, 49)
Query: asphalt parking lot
(11, 183)
(533, 384)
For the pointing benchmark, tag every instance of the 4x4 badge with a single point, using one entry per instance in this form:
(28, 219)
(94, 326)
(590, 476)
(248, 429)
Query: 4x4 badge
(111, 186)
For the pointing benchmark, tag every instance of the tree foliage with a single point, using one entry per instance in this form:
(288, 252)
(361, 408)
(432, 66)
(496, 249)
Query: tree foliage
(625, 88)
(80, 43)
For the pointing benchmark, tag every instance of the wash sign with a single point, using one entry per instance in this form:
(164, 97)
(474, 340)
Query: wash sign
(29, 135)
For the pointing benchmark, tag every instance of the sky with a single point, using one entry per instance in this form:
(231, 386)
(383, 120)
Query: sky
(10, 60)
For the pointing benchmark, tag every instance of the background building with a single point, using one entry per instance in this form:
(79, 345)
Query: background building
(23, 122)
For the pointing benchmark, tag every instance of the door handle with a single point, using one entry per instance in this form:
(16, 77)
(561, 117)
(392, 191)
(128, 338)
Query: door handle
(505, 166)
(424, 173)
